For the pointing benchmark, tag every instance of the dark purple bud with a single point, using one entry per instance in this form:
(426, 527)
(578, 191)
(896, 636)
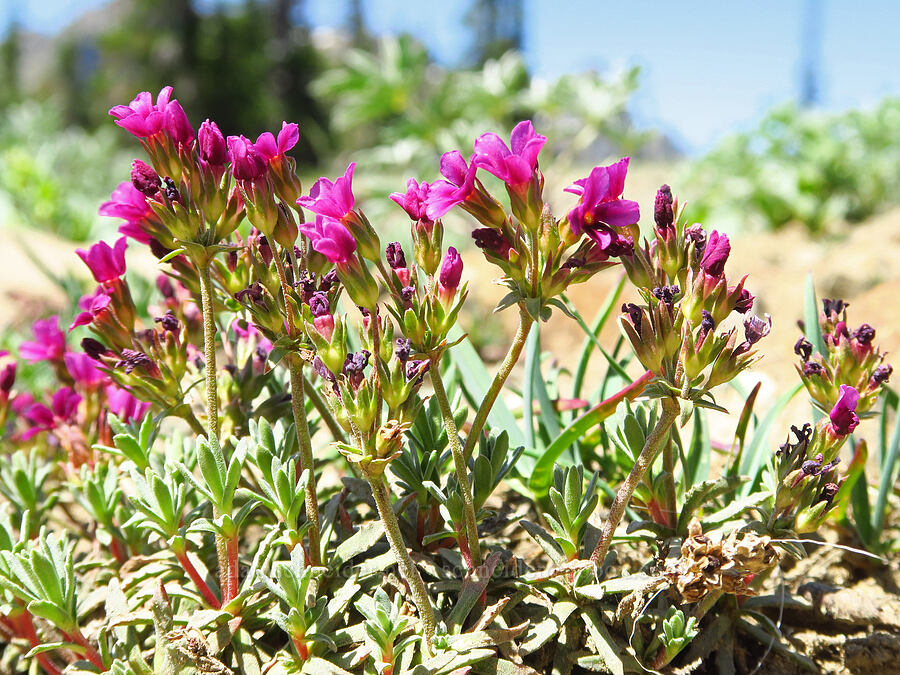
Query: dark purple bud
(573, 263)
(618, 245)
(662, 209)
(407, 293)
(7, 378)
(320, 370)
(745, 302)
(707, 324)
(211, 144)
(864, 334)
(395, 257)
(132, 359)
(94, 348)
(169, 322)
(715, 255)
(253, 293)
(755, 329)
(696, 234)
(830, 307)
(811, 368)
(164, 286)
(158, 250)
(356, 362)
(882, 373)
(403, 349)
(319, 305)
(634, 313)
(416, 369)
(489, 239)
(265, 251)
(144, 178)
(829, 491)
(171, 190)
(803, 348)
(328, 281)
(811, 466)
(843, 415)
(666, 294)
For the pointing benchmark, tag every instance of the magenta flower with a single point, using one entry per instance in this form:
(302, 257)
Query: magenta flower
(843, 415)
(715, 254)
(125, 406)
(247, 330)
(49, 342)
(451, 270)
(331, 199)
(414, 201)
(330, 238)
(270, 148)
(106, 263)
(93, 305)
(513, 166)
(144, 119)
(211, 144)
(601, 199)
(443, 195)
(62, 410)
(128, 203)
(84, 370)
(247, 162)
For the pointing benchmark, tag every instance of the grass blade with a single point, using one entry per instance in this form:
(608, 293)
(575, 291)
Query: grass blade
(887, 473)
(758, 450)
(811, 316)
(602, 317)
(613, 363)
(741, 431)
(532, 362)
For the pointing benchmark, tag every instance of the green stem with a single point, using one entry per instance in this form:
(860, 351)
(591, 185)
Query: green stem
(459, 462)
(212, 395)
(509, 362)
(671, 504)
(407, 566)
(298, 407)
(652, 445)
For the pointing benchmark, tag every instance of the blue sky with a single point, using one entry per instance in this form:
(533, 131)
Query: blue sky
(708, 67)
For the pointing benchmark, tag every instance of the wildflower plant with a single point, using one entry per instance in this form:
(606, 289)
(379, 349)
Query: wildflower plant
(280, 471)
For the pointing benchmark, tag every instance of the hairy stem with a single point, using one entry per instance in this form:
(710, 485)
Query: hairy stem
(407, 566)
(509, 362)
(652, 445)
(459, 462)
(298, 407)
(233, 570)
(212, 395)
(90, 653)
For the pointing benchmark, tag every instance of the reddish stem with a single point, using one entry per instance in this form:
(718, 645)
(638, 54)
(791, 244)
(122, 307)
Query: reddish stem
(92, 654)
(302, 648)
(233, 571)
(118, 551)
(464, 550)
(199, 582)
(23, 625)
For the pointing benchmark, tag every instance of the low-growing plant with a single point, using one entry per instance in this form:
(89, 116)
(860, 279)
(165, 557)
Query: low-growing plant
(280, 472)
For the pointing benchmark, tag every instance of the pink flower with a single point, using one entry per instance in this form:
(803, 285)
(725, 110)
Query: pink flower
(843, 416)
(247, 162)
(330, 238)
(270, 148)
(62, 410)
(211, 144)
(514, 167)
(331, 199)
(715, 254)
(128, 203)
(601, 199)
(414, 200)
(144, 119)
(93, 305)
(106, 263)
(49, 342)
(84, 370)
(125, 406)
(450, 275)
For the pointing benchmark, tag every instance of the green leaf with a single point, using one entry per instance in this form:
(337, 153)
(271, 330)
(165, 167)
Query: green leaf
(811, 316)
(885, 485)
(702, 493)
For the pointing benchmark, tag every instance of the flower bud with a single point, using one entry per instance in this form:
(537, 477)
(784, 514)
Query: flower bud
(211, 144)
(450, 275)
(144, 178)
(662, 209)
